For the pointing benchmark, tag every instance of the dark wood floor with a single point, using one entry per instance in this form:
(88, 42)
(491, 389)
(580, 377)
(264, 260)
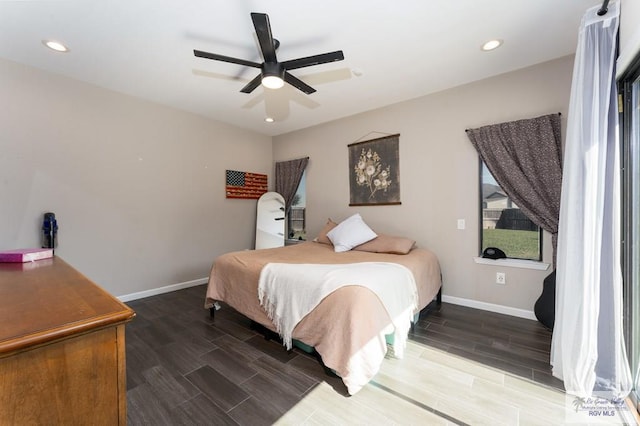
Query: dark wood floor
(185, 368)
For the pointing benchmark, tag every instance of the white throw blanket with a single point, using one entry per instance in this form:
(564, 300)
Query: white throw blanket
(288, 292)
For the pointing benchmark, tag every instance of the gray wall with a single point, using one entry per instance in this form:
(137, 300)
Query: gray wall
(438, 172)
(137, 188)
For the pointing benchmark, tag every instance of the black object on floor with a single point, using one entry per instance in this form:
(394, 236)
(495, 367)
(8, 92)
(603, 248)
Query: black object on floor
(545, 307)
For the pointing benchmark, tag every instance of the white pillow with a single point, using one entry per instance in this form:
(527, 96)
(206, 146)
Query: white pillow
(349, 233)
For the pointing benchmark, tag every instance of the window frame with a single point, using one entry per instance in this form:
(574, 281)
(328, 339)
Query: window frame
(629, 252)
(481, 217)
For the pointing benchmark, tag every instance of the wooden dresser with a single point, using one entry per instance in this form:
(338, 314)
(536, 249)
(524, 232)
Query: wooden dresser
(62, 347)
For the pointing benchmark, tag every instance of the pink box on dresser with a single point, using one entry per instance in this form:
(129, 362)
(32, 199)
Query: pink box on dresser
(25, 255)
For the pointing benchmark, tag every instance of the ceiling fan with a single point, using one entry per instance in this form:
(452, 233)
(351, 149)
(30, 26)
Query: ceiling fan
(273, 74)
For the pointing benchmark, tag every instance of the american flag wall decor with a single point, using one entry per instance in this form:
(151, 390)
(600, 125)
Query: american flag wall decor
(245, 185)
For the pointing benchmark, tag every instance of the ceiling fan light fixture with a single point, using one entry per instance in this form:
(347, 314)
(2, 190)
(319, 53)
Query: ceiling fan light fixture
(272, 82)
(272, 75)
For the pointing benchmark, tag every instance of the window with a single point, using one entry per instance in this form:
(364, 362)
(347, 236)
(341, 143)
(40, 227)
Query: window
(629, 87)
(297, 214)
(504, 225)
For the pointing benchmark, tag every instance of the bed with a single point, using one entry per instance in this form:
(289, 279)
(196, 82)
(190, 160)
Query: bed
(348, 327)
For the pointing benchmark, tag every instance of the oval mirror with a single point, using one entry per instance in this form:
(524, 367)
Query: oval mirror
(270, 221)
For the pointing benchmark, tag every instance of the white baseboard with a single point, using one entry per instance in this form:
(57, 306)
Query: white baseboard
(500, 309)
(162, 290)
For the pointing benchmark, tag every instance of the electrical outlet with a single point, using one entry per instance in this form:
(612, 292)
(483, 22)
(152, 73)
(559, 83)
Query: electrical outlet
(461, 224)
(501, 278)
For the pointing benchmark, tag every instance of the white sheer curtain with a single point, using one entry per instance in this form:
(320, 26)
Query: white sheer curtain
(588, 350)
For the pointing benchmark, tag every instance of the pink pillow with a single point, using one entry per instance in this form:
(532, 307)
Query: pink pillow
(322, 236)
(387, 244)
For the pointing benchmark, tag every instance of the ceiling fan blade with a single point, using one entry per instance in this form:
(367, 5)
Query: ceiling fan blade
(313, 60)
(251, 86)
(216, 57)
(298, 84)
(263, 31)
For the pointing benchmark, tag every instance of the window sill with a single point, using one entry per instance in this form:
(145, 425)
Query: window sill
(513, 263)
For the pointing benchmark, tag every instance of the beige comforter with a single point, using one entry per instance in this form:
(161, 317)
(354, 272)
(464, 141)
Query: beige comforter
(347, 328)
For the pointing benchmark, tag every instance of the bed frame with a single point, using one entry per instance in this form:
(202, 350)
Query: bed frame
(272, 335)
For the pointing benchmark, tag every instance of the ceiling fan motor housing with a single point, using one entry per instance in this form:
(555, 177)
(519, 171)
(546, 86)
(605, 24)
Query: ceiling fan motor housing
(274, 69)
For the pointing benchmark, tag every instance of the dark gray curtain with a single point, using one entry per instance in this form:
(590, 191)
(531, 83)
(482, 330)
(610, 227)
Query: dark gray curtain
(525, 158)
(288, 175)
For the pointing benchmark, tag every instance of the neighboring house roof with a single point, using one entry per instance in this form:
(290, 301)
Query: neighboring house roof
(492, 192)
(498, 195)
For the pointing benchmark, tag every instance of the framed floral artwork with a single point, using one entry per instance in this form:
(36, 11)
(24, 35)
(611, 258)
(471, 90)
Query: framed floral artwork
(374, 173)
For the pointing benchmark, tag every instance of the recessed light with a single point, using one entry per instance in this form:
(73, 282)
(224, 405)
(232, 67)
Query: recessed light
(55, 45)
(269, 120)
(491, 45)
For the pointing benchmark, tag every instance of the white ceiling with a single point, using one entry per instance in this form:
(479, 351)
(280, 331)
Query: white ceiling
(394, 50)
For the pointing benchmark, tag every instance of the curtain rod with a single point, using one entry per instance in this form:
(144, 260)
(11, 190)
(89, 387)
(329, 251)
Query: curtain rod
(604, 9)
(467, 130)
